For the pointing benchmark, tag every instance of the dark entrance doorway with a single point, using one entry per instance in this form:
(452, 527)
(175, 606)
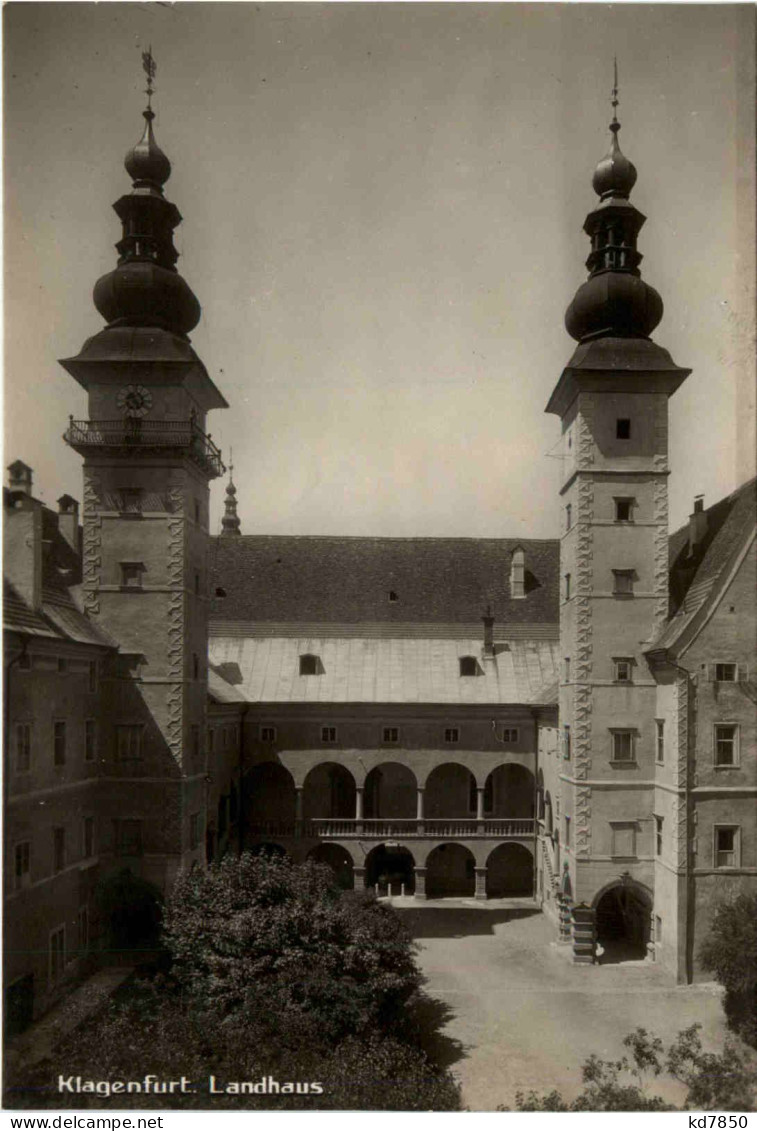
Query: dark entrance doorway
(623, 924)
(338, 859)
(389, 865)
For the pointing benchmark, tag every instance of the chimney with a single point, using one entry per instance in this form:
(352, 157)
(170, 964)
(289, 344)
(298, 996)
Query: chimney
(20, 477)
(68, 521)
(518, 573)
(488, 620)
(22, 541)
(697, 525)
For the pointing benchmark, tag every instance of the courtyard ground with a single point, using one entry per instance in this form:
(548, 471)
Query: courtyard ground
(515, 1012)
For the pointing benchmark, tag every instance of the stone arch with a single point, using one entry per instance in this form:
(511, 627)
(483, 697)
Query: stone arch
(391, 791)
(328, 791)
(390, 864)
(450, 871)
(450, 792)
(269, 798)
(510, 871)
(511, 790)
(622, 916)
(338, 858)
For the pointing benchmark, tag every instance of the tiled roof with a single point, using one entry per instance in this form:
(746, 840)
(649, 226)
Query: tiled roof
(19, 617)
(730, 523)
(350, 580)
(356, 670)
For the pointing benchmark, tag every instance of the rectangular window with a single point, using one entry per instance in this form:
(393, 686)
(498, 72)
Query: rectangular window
(726, 744)
(451, 734)
(90, 736)
(568, 516)
(129, 836)
(57, 954)
(567, 669)
(129, 742)
(726, 673)
(660, 743)
(623, 428)
(197, 584)
(657, 929)
(623, 585)
(22, 864)
(59, 849)
(88, 837)
(567, 832)
(328, 734)
(623, 669)
(211, 740)
(93, 674)
(509, 734)
(62, 664)
(131, 574)
(83, 926)
(658, 836)
(59, 743)
(727, 846)
(567, 586)
(624, 509)
(197, 510)
(195, 830)
(566, 742)
(390, 734)
(23, 747)
(623, 841)
(622, 746)
(268, 734)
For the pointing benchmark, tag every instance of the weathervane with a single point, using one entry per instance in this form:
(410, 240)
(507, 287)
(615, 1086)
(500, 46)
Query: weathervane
(149, 67)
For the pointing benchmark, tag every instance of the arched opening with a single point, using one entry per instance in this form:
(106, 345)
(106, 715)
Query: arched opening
(267, 848)
(622, 919)
(391, 791)
(388, 865)
(450, 792)
(338, 859)
(450, 871)
(269, 799)
(509, 872)
(329, 791)
(512, 791)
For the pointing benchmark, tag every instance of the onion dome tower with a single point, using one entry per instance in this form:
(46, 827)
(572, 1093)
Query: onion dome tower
(612, 399)
(230, 523)
(148, 461)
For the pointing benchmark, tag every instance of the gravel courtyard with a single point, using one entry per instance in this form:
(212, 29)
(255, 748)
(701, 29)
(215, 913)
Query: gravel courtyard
(520, 1015)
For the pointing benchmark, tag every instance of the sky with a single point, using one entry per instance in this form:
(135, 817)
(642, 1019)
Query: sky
(383, 209)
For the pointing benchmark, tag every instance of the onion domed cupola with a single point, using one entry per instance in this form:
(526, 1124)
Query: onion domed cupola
(145, 289)
(614, 301)
(230, 523)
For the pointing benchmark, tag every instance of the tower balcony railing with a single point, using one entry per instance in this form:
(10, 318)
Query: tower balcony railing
(390, 828)
(132, 434)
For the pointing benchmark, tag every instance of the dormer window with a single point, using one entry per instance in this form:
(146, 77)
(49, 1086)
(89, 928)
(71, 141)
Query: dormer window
(310, 664)
(469, 666)
(518, 573)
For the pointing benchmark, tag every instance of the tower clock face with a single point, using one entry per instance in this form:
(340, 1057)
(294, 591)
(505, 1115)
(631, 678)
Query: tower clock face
(135, 400)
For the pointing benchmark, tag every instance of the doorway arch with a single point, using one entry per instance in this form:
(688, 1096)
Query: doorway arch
(623, 920)
(390, 865)
(509, 871)
(338, 859)
(450, 871)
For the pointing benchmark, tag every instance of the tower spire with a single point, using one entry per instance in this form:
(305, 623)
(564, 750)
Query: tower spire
(230, 523)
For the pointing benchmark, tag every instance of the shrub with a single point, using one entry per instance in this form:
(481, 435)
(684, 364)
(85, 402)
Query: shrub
(730, 953)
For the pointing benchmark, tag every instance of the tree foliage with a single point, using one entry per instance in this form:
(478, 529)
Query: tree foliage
(730, 953)
(260, 935)
(714, 1082)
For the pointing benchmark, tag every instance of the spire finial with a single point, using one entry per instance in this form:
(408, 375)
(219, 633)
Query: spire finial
(149, 66)
(231, 465)
(615, 124)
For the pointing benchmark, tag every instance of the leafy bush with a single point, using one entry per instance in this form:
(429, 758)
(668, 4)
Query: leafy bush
(260, 937)
(730, 953)
(724, 1082)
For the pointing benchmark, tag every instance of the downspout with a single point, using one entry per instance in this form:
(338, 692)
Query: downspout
(6, 749)
(535, 715)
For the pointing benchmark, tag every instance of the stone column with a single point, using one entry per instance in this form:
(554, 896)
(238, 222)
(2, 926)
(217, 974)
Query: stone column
(359, 794)
(420, 883)
(480, 808)
(298, 810)
(359, 874)
(419, 809)
(481, 883)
